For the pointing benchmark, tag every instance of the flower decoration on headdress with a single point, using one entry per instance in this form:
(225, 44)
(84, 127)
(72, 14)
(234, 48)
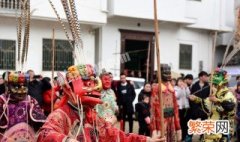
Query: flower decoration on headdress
(86, 71)
(17, 82)
(73, 70)
(16, 77)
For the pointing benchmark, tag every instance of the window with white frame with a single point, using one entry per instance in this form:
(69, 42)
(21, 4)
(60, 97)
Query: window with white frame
(185, 56)
(7, 54)
(63, 55)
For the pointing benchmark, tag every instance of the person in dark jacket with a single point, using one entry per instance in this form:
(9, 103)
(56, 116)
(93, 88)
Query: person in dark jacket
(125, 97)
(2, 85)
(143, 111)
(35, 87)
(200, 89)
(188, 79)
(145, 91)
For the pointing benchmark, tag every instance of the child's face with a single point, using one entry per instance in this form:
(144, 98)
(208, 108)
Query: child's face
(180, 83)
(146, 100)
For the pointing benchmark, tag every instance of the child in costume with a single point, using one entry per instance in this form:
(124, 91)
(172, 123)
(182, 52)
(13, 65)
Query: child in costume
(77, 120)
(20, 114)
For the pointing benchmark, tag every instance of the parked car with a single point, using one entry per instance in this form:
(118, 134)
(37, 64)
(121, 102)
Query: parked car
(233, 72)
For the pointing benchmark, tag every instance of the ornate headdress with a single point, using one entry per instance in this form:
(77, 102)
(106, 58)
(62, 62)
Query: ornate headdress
(83, 84)
(17, 82)
(85, 71)
(220, 77)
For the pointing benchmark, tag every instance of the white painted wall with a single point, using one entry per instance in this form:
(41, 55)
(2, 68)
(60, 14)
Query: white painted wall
(170, 37)
(89, 11)
(40, 30)
(210, 14)
(168, 10)
(237, 3)
(204, 14)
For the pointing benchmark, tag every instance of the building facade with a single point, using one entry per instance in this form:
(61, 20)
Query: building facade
(119, 35)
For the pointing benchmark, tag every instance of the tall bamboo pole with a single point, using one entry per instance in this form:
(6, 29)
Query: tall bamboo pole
(158, 67)
(213, 59)
(148, 60)
(53, 57)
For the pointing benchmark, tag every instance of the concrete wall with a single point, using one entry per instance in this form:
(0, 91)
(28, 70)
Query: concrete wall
(171, 35)
(204, 14)
(168, 10)
(211, 14)
(40, 30)
(89, 11)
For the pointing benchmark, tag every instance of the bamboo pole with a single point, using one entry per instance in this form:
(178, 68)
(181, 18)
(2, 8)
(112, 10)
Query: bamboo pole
(158, 67)
(213, 58)
(148, 60)
(53, 57)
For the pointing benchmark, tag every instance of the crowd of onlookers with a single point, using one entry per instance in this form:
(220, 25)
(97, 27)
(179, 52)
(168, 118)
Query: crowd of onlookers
(185, 89)
(184, 86)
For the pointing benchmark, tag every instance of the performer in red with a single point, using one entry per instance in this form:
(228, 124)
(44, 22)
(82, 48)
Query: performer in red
(49, 94)
(171, 117)
(77, 120)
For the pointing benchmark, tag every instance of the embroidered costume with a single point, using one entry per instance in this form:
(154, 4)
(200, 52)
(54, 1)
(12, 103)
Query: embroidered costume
(77, 120)
(19, 111)
(108, 108)
(219, 106)
(171, 117)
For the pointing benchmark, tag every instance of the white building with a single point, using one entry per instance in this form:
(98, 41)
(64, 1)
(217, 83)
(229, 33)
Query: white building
(228, 38)
(118, 33)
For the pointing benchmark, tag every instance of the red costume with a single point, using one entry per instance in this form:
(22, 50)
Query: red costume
(171, 117)
(47, 98)
(68, 122)
(64, 123)
(170, 110)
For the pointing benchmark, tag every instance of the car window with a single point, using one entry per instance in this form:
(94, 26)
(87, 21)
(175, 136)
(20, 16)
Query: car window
(138, 85)
(232, 82)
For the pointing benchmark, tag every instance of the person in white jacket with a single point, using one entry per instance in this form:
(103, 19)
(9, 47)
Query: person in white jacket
(182, 93)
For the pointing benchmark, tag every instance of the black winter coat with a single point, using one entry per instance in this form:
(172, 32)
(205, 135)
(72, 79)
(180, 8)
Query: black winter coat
(196, 108)
(125, 97)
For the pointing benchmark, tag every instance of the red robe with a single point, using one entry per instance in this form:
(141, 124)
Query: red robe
(171, 116)
(47, 99)
(63, 123)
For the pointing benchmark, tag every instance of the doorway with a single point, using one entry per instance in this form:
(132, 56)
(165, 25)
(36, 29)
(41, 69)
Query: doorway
(139, 46)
